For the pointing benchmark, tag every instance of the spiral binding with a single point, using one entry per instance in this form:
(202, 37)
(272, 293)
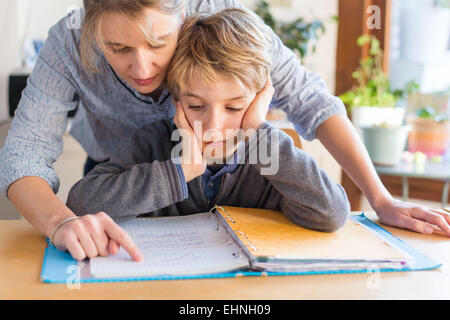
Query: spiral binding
(250, 244)
(229, 218)
(211, 213)
(230, 240)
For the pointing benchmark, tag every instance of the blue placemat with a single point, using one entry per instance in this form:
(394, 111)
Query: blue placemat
(60, 267)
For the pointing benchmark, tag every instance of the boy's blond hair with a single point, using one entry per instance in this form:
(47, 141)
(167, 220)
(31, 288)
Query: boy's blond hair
(232, 42)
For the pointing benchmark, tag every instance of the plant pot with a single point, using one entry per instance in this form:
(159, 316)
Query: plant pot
(385, 144)
(428, 136)
(376, 116)
(424, 33)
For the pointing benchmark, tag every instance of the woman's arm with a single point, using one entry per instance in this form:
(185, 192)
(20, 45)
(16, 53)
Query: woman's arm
(318, 114)
(35, 200)
(34, 143)
(339, 137)
(90, 236)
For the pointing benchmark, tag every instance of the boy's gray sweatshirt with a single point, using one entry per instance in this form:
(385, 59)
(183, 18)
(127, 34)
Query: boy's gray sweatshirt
(142, 179)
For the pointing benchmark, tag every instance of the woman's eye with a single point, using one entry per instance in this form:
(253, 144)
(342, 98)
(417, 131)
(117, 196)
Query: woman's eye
(122, 50)
(157, 47)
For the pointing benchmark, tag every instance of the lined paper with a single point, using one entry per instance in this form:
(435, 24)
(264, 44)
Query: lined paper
(182, 245)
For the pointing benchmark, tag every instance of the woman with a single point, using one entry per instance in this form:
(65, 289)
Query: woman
(110, 60)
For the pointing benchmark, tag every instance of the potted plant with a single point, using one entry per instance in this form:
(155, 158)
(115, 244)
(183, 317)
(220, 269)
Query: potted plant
(372, 107)
(430, 132)
(371, 101)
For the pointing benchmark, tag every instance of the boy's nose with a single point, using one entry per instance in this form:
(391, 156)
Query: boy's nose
(214, 126)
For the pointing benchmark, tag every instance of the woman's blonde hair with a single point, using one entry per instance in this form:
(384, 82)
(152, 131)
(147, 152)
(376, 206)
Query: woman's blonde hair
(95, 10)
(233, 42)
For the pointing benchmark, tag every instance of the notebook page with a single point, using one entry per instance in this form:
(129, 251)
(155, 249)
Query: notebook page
(182, 245)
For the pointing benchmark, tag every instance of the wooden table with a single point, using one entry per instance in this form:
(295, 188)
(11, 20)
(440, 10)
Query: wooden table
(22, 249)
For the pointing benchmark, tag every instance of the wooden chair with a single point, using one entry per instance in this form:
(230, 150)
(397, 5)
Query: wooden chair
(294, 135)
(279, 115)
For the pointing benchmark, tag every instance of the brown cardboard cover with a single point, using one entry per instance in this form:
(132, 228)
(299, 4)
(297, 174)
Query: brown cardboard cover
(268, 233)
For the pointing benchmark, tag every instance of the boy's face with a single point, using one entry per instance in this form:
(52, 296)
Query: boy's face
(220, 109)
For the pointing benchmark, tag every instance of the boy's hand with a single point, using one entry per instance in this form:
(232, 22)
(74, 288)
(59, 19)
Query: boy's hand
(94, 235)
(192, 160)
(257, 112)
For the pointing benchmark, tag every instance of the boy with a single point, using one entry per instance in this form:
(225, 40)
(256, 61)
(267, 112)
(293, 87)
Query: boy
(221, 64)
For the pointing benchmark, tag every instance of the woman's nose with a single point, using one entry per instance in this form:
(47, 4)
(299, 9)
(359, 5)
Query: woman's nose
(142, 64)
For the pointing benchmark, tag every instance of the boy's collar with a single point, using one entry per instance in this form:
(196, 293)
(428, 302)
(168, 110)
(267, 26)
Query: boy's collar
(227, 167)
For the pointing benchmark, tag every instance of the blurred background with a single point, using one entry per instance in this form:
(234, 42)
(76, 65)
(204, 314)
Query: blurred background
(389, 60)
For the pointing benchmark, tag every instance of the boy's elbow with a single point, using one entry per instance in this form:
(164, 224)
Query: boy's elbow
(339, 213)
(82, 200)
(329, 217)
(338, 219)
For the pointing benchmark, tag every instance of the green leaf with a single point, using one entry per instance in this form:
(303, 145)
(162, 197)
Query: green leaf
(362, 40)
(296, 35)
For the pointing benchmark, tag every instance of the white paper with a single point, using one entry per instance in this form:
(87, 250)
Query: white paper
(183, 245)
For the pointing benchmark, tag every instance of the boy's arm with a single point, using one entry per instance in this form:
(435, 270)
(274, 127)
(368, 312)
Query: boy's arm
(130, 184)
(308, 196)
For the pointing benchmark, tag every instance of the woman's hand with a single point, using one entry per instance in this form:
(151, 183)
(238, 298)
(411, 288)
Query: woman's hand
(257, 112)
(414, 217)
(94, 235)
(192, 159)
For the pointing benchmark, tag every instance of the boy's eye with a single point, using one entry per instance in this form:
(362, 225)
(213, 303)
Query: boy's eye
(196, 107)
(233, 109)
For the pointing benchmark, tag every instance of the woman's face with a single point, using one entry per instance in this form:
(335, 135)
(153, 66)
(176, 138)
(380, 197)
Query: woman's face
(130, 55)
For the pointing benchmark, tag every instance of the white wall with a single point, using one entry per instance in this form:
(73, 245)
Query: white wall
(9, 50)
(19, 18)
(37, 16)
(420, 59)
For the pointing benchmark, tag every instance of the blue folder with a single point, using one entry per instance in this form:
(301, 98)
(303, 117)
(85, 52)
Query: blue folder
(60, 267)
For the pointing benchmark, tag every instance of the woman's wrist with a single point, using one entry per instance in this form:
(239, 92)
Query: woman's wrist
(35, 200)
(65, 221)
(380, 199)
(60, 214)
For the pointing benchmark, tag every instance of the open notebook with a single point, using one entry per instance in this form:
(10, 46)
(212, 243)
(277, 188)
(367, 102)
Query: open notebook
(229, 239)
